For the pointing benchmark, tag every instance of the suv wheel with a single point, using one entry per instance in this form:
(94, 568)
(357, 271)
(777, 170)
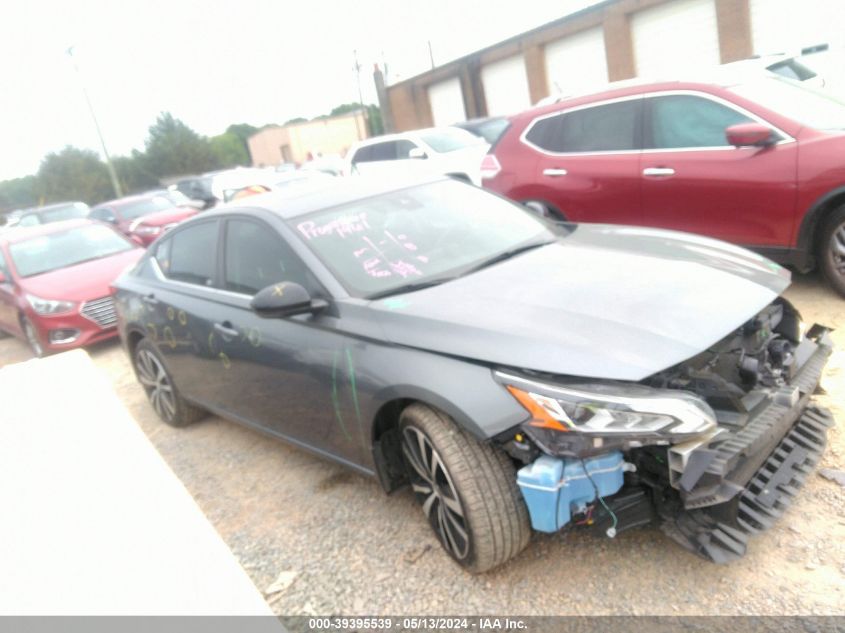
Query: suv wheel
(543, 210)
(161, 392)
(832, 250)
(467, 490)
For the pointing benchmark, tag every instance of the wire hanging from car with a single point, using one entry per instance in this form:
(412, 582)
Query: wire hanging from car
(611, 531)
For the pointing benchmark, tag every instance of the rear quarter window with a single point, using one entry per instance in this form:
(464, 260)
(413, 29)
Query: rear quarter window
(603, 128)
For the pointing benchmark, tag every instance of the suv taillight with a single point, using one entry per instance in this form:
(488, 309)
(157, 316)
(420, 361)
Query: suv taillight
(490, 166)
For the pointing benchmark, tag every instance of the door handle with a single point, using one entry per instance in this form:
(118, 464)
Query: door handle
(150, 299)
(658, 171)
(554, 172)
(226, 329)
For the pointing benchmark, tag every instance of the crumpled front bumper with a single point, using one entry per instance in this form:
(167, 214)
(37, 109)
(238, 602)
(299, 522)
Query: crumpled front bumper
(740, 481)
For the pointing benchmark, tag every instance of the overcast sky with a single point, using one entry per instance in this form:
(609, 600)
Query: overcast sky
(213, 63)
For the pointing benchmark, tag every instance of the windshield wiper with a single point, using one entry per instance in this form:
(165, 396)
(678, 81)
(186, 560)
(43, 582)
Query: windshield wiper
(411, 287)
(506, 255)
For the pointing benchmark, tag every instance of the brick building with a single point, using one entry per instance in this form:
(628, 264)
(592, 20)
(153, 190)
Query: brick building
(609, 41)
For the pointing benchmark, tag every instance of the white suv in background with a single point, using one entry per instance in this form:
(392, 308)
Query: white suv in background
(445, 150)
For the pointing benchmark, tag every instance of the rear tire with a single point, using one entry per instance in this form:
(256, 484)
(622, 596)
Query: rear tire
(467, 490)
(831, 250)
(544, 210)
(168, 404)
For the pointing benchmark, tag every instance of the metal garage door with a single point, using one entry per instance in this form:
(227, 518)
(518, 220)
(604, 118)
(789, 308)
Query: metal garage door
(578, 63)
(505, 86)
(674, 38)
(447, 102)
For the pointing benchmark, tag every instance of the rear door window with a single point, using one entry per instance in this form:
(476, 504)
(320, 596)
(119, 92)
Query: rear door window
(190, 254)
(604, 128)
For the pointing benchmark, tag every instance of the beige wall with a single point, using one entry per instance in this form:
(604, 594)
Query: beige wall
(324, 136)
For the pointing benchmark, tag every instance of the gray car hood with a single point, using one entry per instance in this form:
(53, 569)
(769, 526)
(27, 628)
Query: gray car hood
(603, 302)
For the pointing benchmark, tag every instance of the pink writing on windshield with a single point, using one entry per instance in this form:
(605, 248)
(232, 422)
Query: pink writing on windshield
(341, 227)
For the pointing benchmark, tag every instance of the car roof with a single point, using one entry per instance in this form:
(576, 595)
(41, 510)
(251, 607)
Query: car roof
(720, 76)
(49, 207)
(23, 233)
(138, 197)
(384, 138)
(332, 192)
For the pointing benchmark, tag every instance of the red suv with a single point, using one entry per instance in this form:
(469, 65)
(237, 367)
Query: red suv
(759, 162)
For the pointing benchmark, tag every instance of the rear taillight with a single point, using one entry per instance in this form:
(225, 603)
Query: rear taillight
(490, 166)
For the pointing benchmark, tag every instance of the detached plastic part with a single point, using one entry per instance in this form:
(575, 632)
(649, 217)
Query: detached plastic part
(553, 487)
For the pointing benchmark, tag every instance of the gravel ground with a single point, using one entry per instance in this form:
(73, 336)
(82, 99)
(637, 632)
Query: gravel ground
(352, 550)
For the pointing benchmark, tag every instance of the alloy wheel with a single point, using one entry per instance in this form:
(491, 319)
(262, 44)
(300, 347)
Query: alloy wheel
(837, 249)
(32, 338)
(156, 383)
(434, 489)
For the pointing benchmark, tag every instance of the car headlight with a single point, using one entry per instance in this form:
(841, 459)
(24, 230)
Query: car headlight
(49, 306)
(592, 417)
(144, 229)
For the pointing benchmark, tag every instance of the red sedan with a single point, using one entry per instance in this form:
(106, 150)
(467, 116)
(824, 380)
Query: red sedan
(753, 160)
(143, 217)
(55, 283)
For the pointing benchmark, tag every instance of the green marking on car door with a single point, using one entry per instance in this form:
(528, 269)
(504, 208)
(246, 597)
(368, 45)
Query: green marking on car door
(351, 368)
(335, 401)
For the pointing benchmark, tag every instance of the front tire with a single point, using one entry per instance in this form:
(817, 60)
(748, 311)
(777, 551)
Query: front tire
(467, 490)
(831, 250)
(161, 392)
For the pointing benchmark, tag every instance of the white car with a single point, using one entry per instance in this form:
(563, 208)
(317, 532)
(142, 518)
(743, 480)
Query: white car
(434, 151)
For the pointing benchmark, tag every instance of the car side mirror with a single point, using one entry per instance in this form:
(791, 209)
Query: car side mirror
(750, 135)
(284, 299)
(417, 152)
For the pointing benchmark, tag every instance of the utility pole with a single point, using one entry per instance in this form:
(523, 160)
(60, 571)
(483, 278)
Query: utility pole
(357, 68)
(430, 55)
(115, 183)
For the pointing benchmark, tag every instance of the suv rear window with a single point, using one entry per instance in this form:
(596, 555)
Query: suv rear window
(604, 128)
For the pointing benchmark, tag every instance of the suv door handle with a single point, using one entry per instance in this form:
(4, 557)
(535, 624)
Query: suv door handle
(658, 171)
(554, 172)
(226, 329)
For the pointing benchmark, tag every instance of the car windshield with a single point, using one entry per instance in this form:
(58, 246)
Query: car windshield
(489, 130)
(418, 235)
(144, 207)
(449, 140)
(59, 250)
(800, 103)
(65, 212)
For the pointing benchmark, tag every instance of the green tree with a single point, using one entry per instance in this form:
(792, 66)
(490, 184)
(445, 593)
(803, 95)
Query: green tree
(173, 149)
(133, 172)
(73, 174)
(295, 120)
(229, 150)
(243, 131)
(18, 193)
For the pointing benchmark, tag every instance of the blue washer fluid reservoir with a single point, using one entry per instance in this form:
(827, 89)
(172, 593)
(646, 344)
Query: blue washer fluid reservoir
(553, 487)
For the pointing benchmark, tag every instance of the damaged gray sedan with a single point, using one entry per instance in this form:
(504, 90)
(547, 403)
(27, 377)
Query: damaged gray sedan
(517, 374)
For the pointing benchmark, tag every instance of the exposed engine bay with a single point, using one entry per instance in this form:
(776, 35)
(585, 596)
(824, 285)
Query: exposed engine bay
(713, 448)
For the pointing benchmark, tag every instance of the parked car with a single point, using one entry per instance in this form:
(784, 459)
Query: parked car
(435, 151)
(54, 283)
(143, 217)
(52, 213)
(755, 163)
(487, 128)
(516, 373)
